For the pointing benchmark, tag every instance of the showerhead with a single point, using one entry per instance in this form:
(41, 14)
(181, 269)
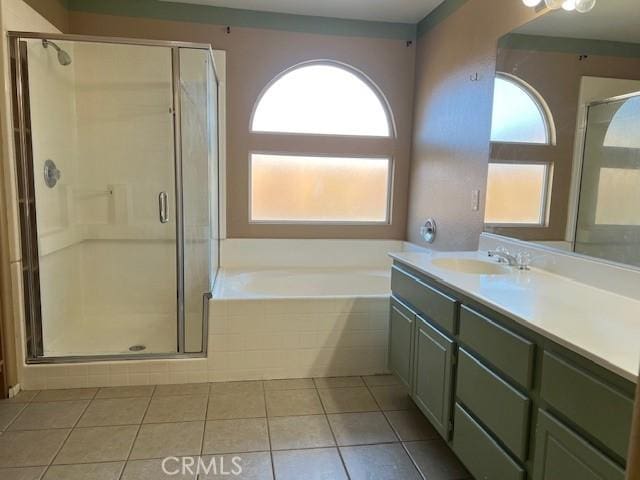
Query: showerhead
(63, 57)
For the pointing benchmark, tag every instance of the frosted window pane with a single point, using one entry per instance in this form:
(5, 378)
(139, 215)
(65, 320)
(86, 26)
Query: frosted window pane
(319, 189)
(624, 130)
(517, 118)
(515, 193)
(321, 99)
(618, 197)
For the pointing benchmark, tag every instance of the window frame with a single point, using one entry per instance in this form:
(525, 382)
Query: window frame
(544, 204)
(539, 102)
(379, 147)
(389, 202)
(393, 134)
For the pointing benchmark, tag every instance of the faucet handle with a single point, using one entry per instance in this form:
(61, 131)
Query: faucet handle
(501, 252)
(523, 260)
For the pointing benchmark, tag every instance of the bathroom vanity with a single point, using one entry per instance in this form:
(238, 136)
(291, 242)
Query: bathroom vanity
(520, 384)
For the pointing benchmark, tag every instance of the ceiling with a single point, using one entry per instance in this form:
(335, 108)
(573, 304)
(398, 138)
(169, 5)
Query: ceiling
(616, 21)
(401, 11)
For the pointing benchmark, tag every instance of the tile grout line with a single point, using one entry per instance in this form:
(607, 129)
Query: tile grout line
(135, 438)
(266, 419)
(333, 434)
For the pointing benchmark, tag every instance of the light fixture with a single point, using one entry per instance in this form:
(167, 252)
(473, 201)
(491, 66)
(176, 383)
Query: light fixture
(582, 6)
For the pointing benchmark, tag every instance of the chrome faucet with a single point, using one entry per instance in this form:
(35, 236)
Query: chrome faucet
(504, 257)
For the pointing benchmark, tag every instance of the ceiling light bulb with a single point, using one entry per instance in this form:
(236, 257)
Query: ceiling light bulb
(569, 5)
(554, 4)
(584, 6)
(531, 3)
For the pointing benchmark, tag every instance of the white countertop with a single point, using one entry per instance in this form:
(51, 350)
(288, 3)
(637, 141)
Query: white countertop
(599, 325)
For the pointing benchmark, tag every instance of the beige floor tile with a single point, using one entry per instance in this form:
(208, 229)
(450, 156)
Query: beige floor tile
(88, 471)
(66, 394)
(30, 448)
(338, 382)
(114, 411)
(285, 403)
(317, 464)
(240, 435)
(289, 384)
(126, 392)
(152, 470)
(158, 440)
(382, 462)
(344, 400)
(361, 428)
(236, 405)
(381, 380)
(436, 461)
(237, 387)
(97, 444)
(8, 413)
(392, 397)
(182, 389)
(290, 433)
(41, 416)
(176, 409)
(249, 466)
(24, 396)
(22, 473)
(411, 425)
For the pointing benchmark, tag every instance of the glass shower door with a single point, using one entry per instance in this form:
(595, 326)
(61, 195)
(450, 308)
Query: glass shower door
(104, 185)
(608, 215)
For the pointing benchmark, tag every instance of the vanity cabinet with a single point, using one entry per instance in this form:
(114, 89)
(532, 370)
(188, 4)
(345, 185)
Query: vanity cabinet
(512, 404)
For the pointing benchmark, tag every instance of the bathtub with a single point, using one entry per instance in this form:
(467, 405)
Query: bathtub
(298, 322)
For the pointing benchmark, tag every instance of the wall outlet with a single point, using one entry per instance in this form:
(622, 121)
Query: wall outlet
(475, 200)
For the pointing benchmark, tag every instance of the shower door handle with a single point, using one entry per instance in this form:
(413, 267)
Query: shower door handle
(162, 207)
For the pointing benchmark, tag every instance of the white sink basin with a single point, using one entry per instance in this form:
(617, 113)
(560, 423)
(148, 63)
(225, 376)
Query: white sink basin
(469, 265)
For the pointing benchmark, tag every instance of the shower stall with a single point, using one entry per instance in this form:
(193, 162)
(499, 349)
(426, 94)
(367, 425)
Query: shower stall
(117, 169)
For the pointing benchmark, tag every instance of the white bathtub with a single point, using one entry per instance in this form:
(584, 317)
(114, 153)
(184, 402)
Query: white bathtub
(308, 282)
(299, 322)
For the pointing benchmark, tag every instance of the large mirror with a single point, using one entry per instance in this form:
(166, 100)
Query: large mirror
(564, 169)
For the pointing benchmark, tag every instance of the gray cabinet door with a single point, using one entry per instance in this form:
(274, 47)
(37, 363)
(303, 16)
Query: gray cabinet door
(401, 327)
(561, 454)
(433, 376)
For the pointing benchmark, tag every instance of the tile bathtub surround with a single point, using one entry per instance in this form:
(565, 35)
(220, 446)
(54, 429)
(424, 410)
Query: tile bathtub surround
(297, 338)
(123, 433)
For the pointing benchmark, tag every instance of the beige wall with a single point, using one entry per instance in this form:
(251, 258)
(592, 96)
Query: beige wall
(556, 76)
(452, 118)
(53, 10)
(256, 56)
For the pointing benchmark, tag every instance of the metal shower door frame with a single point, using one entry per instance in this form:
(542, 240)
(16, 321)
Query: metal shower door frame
(28, 226)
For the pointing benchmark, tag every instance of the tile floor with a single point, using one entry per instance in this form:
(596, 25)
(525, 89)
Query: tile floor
(302, 429)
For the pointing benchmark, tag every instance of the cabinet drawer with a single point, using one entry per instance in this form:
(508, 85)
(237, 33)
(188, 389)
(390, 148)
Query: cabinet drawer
(482, 456)
(505, 350)
(401, 328)
(499, 406)
(563, 454)
(593, 406)
(440, 308)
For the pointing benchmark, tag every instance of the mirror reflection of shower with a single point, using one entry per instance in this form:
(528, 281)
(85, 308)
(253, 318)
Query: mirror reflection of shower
(63, 57)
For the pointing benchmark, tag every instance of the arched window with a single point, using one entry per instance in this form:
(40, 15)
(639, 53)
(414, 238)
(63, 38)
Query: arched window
(328, 159)
(520, 114)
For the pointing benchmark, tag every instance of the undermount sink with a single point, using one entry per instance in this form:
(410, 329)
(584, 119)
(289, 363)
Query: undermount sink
(469, 265)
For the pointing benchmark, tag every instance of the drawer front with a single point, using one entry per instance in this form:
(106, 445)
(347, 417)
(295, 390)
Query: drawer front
(482, 456)
(432, 390)
(499, 406)
(595, 407)
(505, 350)
(440, 308)
(563, 454)
(401, 328)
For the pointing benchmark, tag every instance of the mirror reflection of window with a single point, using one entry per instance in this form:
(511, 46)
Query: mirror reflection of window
(519, 113)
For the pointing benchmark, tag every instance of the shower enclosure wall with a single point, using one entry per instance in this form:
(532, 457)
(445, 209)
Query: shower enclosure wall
(118, 192)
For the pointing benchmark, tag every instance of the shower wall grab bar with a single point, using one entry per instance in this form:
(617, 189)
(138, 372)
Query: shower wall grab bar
(162, 207)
